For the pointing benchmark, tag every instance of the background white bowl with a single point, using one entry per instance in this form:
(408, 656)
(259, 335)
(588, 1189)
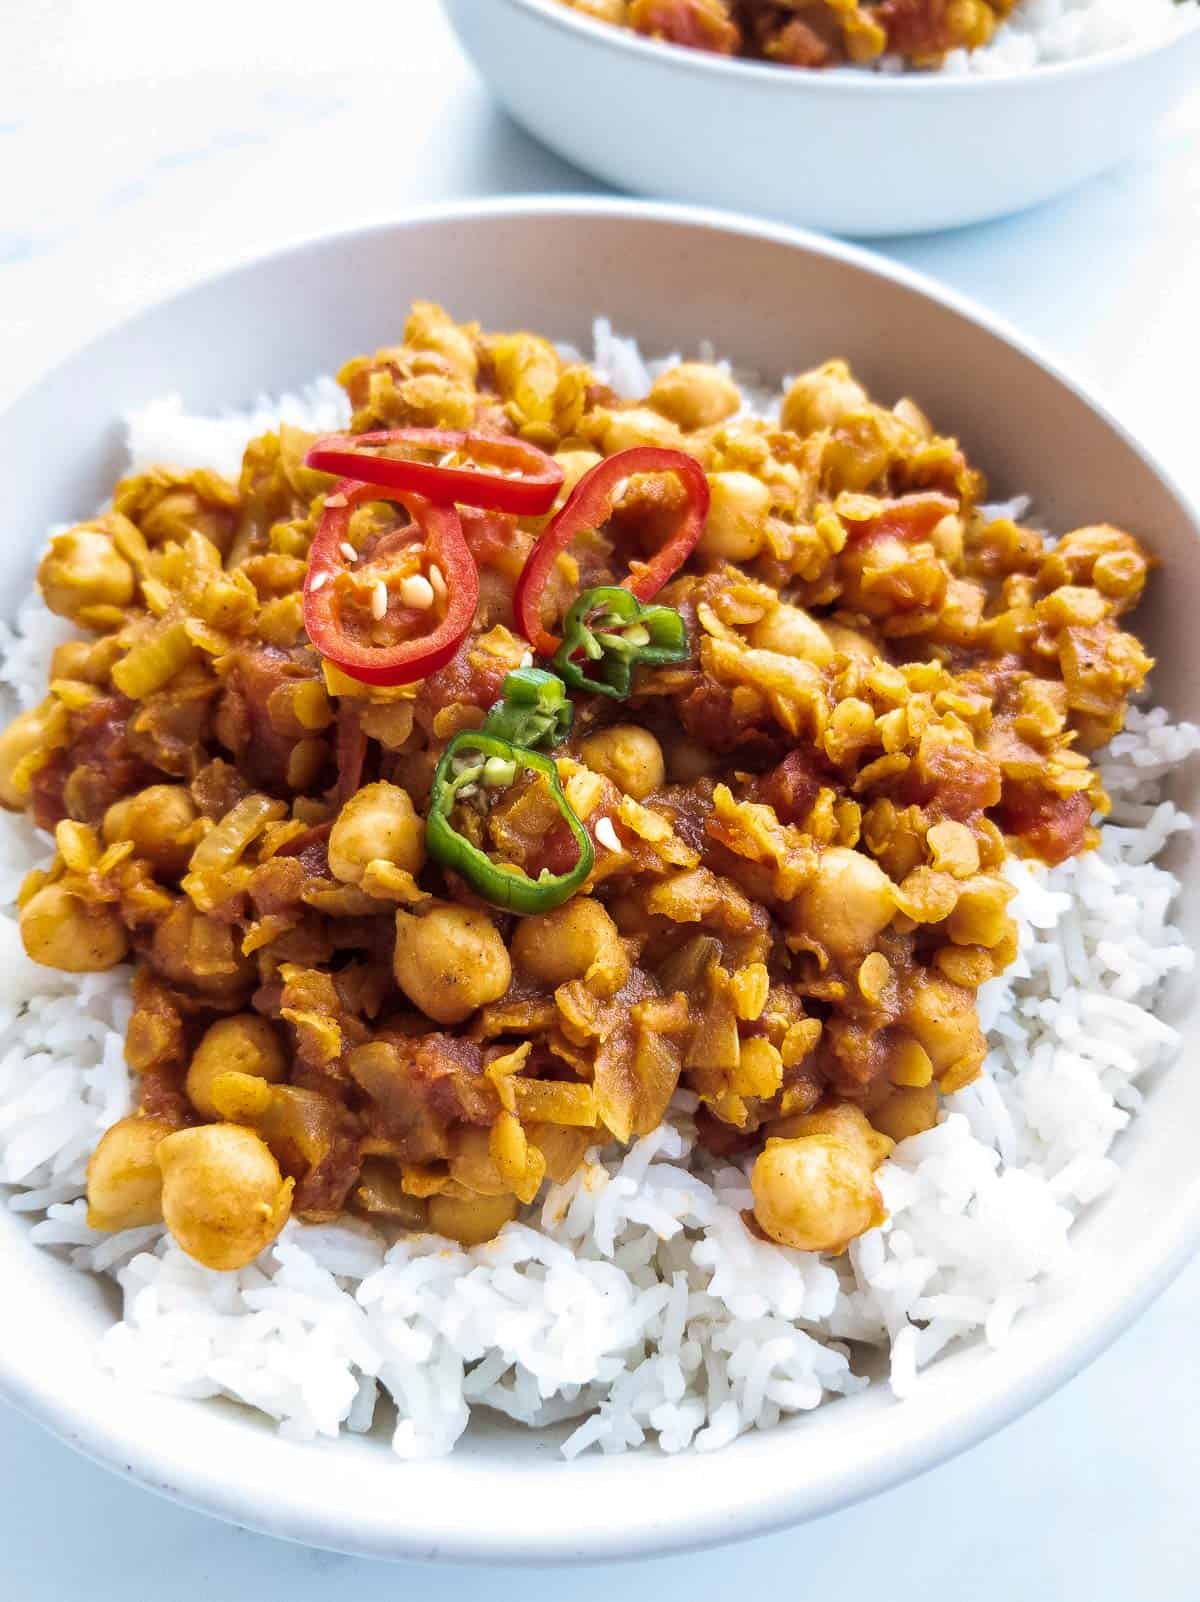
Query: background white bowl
(854, 153)
(550, 265)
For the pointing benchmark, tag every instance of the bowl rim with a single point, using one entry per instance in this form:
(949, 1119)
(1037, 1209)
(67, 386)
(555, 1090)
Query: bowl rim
(702, 63)
(282, 1512)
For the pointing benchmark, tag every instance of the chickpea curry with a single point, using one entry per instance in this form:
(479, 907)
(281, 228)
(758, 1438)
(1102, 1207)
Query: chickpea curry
(811, 33)
(565, 752)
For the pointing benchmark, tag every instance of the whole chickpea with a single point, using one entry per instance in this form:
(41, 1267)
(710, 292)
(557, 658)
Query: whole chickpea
(243, 1044)
(909, 1110)
(124, 1181)
(628, 755)
(28, 732)
(848, 901)
(695, 395)
(449, 960)
(792, 632)
(578, 940)
(159, 821)
(223, 1197)
(379, 823)
(689, 760)
(736, 529)
(943, 1018)
(821, 397)
(61, 931)
(83, 569)
(640, 426)
(816, 1194)
(470, 1220)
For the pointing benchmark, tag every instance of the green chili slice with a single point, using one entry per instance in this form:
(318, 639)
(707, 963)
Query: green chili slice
(474, 763)
(533, 710)
(608, 632)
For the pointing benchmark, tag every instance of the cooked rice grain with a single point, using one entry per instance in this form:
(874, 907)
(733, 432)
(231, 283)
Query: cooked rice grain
(1045, 33)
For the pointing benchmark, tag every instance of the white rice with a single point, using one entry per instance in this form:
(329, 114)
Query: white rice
(1045, 33)
(164, 432)
(631, 1300)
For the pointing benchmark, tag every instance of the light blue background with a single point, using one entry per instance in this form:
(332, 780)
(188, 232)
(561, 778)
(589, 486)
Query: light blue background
(140, 145)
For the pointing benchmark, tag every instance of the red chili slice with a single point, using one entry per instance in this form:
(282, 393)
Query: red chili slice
(589, 506)
(492, 471)
(409, 659)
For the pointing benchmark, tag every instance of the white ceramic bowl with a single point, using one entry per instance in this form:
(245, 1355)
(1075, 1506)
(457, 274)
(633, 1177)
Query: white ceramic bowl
(855, 153)
(550, 265)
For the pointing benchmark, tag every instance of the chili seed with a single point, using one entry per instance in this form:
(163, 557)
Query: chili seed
(637, 634)
(607, 836)
(438, 582)
(348, 551)
(379, 600)
(417, 592)
(498, 773)
(319, 583)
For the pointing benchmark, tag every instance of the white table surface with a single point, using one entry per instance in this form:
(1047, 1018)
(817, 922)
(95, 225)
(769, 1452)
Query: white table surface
(141, 143)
